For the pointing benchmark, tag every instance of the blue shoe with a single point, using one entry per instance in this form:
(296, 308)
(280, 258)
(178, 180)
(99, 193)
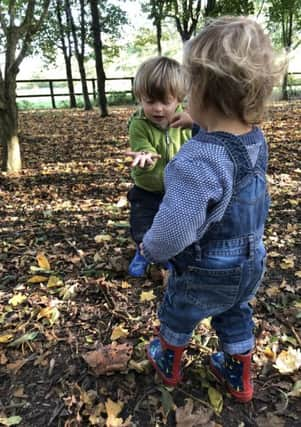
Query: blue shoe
(235, 372)
(166, 359)
(138, 265)
(167, 266)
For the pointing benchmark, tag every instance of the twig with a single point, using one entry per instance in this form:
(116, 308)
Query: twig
(147, 391)
(288, 325)
(56, 413)
(203, 402)
(72, 245)
(284, 395)
(78, 252)
(111, 304)
(296, 334)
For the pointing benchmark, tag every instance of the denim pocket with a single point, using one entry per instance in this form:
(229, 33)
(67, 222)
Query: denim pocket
(212, 291)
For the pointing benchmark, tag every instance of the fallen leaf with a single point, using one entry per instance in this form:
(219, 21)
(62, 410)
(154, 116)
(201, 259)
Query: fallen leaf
(5, 338)
(50, 313)
(113, 410)
(109, 358)
(10, 421)
(296, 390)
(122, 202)
(287, 262)
(30, 336)
(37, 279)
(17, 300)
(17, 365)
(119, 332)
(288, 361)
(103, 238)
(43, 261)
(269, 420)
(186, 418)
(216, 399)
(125, 285)
(147, 296)
(54, 282)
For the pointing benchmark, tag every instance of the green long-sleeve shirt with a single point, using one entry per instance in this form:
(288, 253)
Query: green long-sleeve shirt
(146, 136)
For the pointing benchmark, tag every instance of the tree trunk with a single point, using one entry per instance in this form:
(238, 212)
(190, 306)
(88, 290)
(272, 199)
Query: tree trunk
(159, 36)
(284, 87)
(101, 78)
(67, 52)
(11, 153)
(82, 72)
(79, 54)
(72, 99)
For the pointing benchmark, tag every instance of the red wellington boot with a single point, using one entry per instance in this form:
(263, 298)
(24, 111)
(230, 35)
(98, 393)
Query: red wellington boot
(166, 359)
(235, 372)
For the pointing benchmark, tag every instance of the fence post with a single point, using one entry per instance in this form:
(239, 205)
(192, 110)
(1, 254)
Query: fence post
(93, 89)
(132, 89)
(52, 93)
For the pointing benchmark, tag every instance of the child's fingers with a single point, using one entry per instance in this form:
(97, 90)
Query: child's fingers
(175, 121)
(136, 161)
(142, 161)
(131, 153)
(175, 124)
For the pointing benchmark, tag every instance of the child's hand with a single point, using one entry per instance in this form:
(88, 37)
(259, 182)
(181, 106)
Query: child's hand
(142, 159)
(181, 120)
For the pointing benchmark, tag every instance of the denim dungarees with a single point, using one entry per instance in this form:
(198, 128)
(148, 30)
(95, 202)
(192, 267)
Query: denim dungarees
(218, 275)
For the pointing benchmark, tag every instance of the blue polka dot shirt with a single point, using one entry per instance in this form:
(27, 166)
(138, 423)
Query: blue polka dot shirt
(198, 188)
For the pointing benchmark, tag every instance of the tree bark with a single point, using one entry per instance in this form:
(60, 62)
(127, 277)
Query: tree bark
(79, 53)
(159, 36)
(17, 40)
(11, 159)
(67, 53)
(101, 78)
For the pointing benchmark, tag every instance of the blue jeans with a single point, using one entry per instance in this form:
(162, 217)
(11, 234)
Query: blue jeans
(144, 206)
(220, 287)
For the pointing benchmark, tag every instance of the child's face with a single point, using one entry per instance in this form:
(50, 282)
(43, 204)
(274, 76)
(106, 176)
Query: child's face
(158, 112)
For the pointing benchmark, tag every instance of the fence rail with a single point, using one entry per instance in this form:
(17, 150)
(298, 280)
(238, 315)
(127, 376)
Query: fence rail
(53, 85)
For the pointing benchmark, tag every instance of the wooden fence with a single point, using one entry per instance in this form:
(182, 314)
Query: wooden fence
(54, 88)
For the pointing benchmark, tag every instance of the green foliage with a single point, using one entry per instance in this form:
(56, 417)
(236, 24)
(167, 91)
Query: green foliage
(284, 21)
(233, 7)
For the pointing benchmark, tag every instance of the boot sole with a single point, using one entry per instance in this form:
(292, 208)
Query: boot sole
(241, 396)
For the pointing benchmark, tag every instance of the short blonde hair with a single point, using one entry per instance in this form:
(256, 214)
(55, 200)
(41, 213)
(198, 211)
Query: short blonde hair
(231, 66)
(158, 78)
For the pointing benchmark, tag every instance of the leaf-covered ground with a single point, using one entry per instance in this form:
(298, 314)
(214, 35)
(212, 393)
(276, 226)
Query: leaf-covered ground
(65, 292)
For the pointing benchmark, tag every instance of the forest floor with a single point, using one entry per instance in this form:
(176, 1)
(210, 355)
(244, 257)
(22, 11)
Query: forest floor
(73, 323)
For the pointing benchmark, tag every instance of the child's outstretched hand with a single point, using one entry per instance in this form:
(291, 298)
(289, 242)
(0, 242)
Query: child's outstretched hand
(142, 159)
(181, 120)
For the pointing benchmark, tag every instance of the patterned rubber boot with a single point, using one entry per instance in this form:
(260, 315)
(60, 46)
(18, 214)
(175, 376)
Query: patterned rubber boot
(235, 372)
(138, 265)
(166, 359)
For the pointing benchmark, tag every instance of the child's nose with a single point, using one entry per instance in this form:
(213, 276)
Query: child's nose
(158, 106)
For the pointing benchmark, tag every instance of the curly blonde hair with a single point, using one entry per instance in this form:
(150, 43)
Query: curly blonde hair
(231, 66)
(159, 77)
